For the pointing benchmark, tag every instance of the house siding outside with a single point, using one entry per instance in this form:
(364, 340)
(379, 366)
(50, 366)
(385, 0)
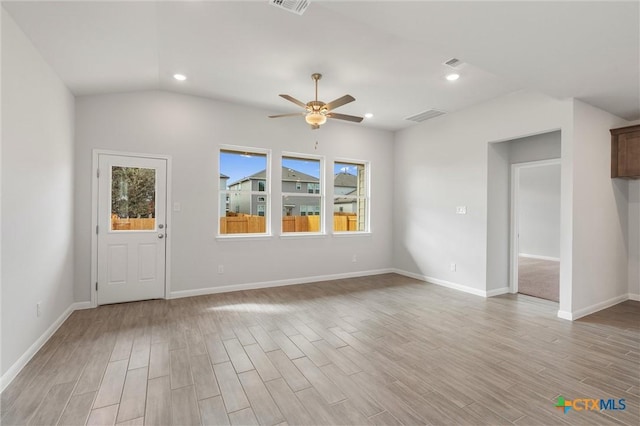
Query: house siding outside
(244, 194)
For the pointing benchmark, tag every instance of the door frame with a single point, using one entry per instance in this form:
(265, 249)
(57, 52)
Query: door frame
(515, 206)
(94, 218)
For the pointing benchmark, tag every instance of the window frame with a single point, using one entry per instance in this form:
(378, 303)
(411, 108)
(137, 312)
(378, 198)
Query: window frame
(266, 193)
(321, 195)
(366, 196)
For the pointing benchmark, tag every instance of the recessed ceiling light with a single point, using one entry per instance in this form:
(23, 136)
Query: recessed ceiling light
(368, 115)
(452, 76)
(180, 77)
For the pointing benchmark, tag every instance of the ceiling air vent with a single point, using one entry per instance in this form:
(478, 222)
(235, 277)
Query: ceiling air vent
(454, 63)
(425, 115)
(296, 6)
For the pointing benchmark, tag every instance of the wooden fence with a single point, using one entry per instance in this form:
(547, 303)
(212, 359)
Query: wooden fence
(243, 224)
(248, 224)
(131, 224)
(345, 222)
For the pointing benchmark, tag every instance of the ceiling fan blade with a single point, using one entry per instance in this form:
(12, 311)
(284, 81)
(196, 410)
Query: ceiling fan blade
(287, 115)
(339, 102)
(294, 100)
(345, 117)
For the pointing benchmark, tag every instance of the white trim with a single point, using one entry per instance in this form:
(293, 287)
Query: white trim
(80, 306)
(572, 316)
(536, 256)
(633, 296)
(277, 283)
(443, 283)
(17, 366)
(94, 218)
(565, 315)
(514, 247)
(497, 291)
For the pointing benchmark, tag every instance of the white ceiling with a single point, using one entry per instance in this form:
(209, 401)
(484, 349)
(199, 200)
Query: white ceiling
(388, 55)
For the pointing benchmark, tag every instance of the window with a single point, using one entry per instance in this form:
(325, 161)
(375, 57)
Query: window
(246, 194)
(133, 199)
(313, 188)
(301, 211)
(350, 197)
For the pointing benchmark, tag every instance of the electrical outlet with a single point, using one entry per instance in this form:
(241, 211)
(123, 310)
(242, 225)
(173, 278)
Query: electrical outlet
(461, 210)
(452, 267)
(221, 269)
(38, 309)
(354, 259)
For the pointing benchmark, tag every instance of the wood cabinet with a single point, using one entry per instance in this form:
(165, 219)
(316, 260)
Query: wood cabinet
(625, 152)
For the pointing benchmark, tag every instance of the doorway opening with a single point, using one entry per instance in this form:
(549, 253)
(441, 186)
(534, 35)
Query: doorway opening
(535, 229)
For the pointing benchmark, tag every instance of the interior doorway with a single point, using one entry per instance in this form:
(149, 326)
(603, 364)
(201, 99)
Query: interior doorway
(535, 229)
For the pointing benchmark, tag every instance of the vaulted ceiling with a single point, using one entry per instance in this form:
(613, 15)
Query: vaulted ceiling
(388, 54)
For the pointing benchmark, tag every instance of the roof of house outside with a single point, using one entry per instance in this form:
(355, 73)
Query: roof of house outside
(223, 176)
(291, 175)
(345, 179)
(346, 200)
(288, 174)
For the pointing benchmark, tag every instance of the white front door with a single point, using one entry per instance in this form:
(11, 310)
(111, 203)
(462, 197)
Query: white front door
(132, 194)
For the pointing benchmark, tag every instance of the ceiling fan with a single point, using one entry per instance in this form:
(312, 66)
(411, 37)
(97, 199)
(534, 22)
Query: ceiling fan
(316, 112)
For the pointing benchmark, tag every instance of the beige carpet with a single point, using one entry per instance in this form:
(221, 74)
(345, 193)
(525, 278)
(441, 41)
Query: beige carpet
(539, 278)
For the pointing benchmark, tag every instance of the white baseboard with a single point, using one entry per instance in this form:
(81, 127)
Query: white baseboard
(443, 283)
(498, 291)
(635, 297)
(13, 371)
(277, 283)
(598, 307)
(535, 256)
(78, 306)
(565, 315)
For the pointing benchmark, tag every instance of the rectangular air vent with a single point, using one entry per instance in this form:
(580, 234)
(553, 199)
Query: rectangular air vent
(454, 63)
(425, 115)
(296, 6)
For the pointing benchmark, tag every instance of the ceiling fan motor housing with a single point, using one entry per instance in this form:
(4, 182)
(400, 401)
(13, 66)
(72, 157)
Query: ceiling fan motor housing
(317, 106)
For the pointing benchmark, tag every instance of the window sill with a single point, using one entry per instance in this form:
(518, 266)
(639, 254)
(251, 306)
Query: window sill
(243, 237)
(352, 234)
(301, 235)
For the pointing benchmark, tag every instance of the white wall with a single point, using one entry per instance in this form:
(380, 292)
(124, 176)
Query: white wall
(539, 211)
(634, 239)
(190, 129)
(601, 209)
(443, 163)
(37, 195)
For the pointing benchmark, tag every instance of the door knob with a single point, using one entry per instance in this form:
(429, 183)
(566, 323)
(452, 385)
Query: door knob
(160, 236)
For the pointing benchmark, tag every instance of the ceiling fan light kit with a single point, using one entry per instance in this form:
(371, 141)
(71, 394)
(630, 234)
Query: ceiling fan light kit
(317, 112)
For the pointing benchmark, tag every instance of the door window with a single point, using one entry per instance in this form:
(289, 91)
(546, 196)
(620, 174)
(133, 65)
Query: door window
(133, 198)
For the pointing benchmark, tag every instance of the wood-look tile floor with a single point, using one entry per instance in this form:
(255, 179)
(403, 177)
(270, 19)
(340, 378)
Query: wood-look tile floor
(382, 350)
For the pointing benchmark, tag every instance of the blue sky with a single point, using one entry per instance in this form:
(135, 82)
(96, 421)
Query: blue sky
(237, 166)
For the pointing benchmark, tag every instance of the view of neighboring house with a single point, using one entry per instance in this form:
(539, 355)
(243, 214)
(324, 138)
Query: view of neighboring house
(346, 204)
(244, 194)
(344, 183)
(224, 199)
